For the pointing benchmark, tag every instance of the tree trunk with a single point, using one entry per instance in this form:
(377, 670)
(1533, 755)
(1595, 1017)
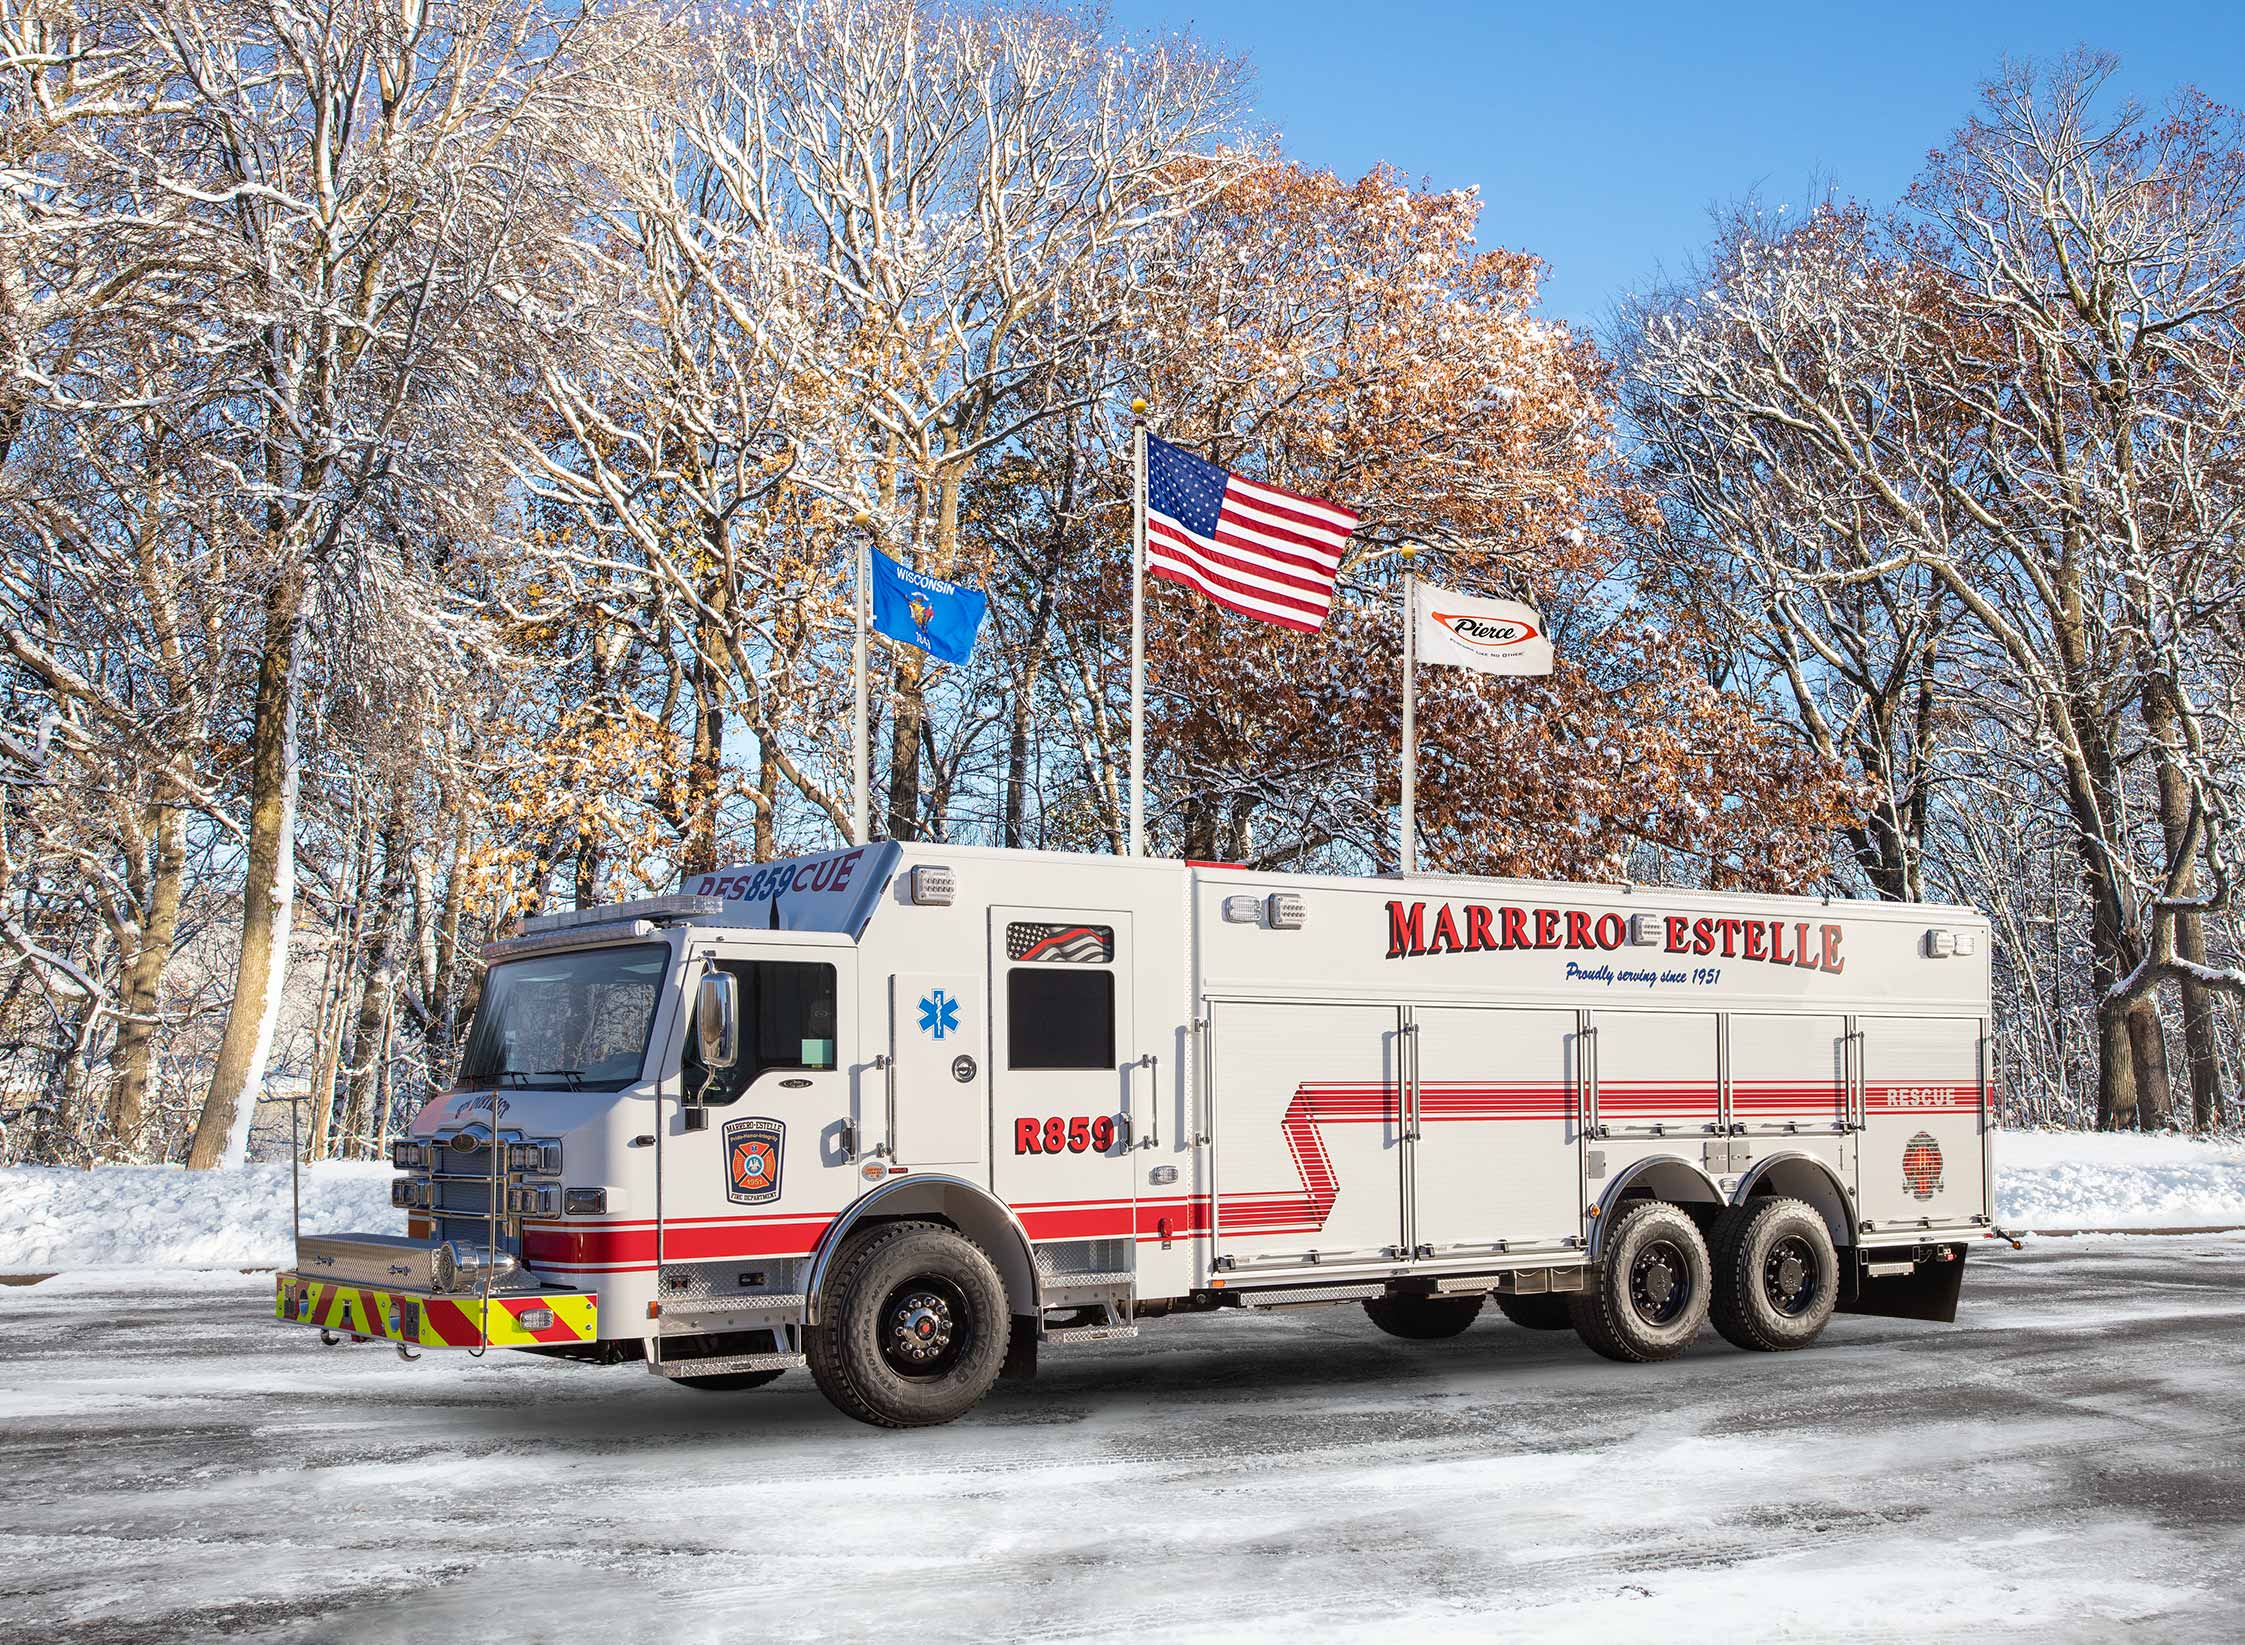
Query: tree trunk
(268, 887)
(2147, 1044)
(904, 744)
(2201, 1041)
(135, 1053)
(370, 1035)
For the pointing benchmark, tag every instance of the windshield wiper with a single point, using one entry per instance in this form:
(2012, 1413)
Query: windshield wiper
(575, 1076)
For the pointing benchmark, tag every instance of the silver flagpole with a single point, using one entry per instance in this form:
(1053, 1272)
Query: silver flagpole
(860, 805)
(1408, 857)
(1138, 628)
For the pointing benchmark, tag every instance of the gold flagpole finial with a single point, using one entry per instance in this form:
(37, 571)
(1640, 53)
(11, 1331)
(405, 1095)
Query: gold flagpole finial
(1138, 408)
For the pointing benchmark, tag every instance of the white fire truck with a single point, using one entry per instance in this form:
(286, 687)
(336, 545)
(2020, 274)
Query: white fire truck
(910, 1114)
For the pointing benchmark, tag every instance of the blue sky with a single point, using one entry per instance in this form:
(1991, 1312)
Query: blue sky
(1600, 137)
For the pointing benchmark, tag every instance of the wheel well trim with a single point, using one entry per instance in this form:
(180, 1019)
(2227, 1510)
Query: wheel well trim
(838, 1231)
(1823, 1167)
(1618, 1189)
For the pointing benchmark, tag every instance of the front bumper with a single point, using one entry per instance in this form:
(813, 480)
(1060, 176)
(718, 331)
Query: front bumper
(429, 1319)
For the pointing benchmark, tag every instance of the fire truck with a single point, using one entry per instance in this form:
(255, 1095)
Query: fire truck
(911, 1115)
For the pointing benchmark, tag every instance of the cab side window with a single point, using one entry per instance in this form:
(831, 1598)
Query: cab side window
(787, 1022)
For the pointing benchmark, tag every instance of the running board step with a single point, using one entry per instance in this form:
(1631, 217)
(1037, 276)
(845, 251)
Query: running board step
(1079, 1284)
(724, 1365)
(1068, 1335)
(762, 1302)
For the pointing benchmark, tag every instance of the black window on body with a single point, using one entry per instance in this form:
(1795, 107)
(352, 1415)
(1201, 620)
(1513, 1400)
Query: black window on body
(1060, 1016)
(787, 1022)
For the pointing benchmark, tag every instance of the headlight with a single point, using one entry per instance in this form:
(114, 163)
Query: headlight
(543, 1158)
(537, 1199)
(410, 1192)
(408, 1156)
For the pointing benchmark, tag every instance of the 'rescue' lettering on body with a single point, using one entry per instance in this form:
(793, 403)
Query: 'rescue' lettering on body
(1472, 928)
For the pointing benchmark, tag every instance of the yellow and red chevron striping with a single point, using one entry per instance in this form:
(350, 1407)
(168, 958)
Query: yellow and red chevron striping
(436, 1322)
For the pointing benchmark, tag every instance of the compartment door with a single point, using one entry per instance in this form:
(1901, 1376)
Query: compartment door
(1308, 1155)
(1496, 1146)
(1788, 1074)
(1925, 1140)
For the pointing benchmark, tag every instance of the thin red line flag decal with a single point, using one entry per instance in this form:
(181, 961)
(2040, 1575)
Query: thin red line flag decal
(1250, 547)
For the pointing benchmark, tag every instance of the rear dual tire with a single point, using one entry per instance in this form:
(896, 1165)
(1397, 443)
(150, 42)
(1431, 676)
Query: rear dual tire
(1777, 1275)
(1423, 1319)
(1650, 1293)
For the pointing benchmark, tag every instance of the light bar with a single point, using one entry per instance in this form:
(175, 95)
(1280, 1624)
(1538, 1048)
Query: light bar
(655, 910)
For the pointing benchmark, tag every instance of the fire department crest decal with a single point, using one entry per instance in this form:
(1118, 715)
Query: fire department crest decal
(1921, 1165)
(752, 1160)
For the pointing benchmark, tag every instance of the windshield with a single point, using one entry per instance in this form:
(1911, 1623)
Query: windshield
(579, 1020)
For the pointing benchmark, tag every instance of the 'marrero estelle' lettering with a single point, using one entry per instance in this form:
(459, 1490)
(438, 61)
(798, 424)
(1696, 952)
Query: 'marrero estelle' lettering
(1472, 927)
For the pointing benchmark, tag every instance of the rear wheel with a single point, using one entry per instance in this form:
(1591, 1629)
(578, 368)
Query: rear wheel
(1650, 1294)
(1777, 1275)
(1546, 1311)
(1422, 1319)
(730, 1382)
(913, 1327)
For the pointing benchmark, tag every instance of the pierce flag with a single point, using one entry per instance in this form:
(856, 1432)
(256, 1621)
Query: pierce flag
(939, 617)
(1493, 636)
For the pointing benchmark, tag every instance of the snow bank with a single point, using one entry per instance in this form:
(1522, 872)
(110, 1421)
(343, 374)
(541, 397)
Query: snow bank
(2087, 1179)
(131, 1216)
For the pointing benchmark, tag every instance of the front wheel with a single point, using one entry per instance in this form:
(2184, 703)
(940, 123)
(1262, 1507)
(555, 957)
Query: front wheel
(1777, 1275)
(1650, 1294)
(913, 1327)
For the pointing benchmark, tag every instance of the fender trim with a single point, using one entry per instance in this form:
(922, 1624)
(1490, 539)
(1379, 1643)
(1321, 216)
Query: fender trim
(1619, 1187)
(838, 1230)
(1823, 1167)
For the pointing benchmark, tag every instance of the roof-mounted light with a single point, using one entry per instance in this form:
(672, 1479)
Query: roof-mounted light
(933, 886)
(654, 910)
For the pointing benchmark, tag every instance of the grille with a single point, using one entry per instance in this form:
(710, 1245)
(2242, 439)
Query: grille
(463, 1196)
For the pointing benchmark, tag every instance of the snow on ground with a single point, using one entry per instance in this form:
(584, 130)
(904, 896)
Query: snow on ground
(135, 1216)
(2087, 1179)
(2054, 1469)
(138, 1216)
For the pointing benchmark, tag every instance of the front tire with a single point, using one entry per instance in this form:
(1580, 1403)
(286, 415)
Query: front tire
(1651, 1292)
(1777, 1275)
(913, 1329)
(1422, 1319)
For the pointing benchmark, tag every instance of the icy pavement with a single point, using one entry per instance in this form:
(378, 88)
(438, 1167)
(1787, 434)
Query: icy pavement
(2062, 1464)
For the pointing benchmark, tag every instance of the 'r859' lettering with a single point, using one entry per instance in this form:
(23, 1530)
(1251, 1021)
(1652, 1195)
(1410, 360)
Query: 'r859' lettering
(1064, 1136)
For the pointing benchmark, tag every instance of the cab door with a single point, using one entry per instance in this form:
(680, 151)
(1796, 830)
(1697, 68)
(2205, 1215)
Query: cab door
(767, 1163)
(1070, 1094)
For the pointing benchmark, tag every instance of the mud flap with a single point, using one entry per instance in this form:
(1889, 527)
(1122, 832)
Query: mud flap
(1021, 1349)
(1929, 1291)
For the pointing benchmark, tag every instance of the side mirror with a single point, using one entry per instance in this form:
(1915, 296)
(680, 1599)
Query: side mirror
(717, 1020)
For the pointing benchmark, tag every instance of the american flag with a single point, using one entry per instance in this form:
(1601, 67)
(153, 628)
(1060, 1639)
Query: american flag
(1060, 944)
(1251, 548)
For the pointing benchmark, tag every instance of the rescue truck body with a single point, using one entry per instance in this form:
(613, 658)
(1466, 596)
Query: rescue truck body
(912, 1113)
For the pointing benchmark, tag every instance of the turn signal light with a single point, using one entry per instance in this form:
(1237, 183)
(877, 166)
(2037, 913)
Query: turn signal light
(535, 1319)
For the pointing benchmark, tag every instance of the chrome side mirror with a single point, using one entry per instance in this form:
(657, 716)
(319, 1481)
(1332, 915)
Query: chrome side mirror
(717, 1020)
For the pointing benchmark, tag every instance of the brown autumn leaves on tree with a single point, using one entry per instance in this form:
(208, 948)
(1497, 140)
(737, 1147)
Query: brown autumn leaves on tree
(1350, 340)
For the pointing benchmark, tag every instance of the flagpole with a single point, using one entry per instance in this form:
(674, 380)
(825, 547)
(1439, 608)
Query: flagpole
(860, 805)
(1408, 856)
(1138, 628)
